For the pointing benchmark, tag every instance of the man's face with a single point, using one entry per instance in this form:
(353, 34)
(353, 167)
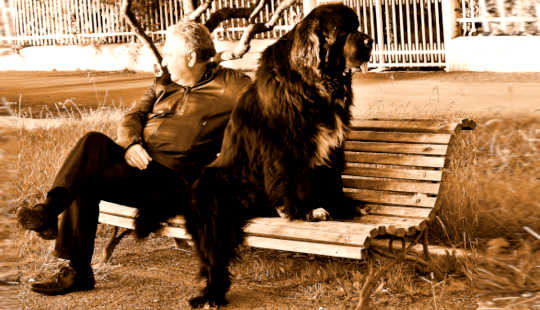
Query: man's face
(177, 58)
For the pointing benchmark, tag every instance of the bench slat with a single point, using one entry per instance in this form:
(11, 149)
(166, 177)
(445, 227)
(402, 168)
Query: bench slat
(408, 125)
(398, 148)
(409, 137)
(116, 209)
(396, 173)
(390, 197)
(395, 159)
(346, 233)
(337, 250)
(392, 185)
(403, 211)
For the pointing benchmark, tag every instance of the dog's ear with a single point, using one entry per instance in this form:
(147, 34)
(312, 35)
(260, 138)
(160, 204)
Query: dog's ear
(305, 50)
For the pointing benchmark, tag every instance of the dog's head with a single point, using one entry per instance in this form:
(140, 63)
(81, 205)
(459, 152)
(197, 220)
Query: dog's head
(327, 41)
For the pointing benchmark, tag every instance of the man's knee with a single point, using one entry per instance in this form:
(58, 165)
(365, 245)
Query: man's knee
(93, 138)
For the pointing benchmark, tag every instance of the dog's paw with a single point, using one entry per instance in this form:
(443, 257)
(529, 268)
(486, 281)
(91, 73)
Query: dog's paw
(206, 302)
(281, 211)
(319, 214)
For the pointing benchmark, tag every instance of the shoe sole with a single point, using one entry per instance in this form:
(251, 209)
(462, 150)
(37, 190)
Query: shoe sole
(29, 219)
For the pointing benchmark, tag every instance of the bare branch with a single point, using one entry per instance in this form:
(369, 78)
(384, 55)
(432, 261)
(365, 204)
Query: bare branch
(198, 11)
(252, 29)
(283, 5)
(139, 31)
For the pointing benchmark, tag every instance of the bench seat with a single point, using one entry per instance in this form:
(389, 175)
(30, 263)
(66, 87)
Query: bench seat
(394, 170)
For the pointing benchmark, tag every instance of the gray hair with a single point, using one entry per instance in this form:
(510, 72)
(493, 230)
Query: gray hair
(196, 36)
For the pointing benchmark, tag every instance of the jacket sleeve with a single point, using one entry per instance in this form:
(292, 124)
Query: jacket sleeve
(130, 130)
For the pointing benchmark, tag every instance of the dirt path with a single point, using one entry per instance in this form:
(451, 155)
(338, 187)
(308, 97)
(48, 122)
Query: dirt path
(468, 93)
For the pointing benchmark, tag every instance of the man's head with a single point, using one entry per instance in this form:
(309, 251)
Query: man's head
(187, 49)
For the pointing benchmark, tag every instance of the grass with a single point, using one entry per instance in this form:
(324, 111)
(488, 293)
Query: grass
(491, 191)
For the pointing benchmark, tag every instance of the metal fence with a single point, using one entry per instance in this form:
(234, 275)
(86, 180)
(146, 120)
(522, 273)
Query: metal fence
(66, 22)
(498, 17)
(407, 33)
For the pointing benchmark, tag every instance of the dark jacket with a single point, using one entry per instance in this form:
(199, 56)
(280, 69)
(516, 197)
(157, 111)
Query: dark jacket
(182, 127)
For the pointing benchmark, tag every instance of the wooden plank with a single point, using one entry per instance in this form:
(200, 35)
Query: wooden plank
(335, 250)
(324, 232)
(396, 173)
(114, 220)
(395, 159)
(402, 211)
(396, 148)
(440, 126)
(368, 195)
(306, 247)
(117, 209)
(410, 137)
(392, 185)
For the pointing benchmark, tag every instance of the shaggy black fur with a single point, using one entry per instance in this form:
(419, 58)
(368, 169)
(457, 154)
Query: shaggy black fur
(282, 146)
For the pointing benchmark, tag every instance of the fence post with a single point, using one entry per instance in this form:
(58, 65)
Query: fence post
(308, 5)
(450, 28)
(380, 33)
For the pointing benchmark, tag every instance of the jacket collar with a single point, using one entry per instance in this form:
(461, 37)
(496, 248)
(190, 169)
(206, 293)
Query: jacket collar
(164, 82)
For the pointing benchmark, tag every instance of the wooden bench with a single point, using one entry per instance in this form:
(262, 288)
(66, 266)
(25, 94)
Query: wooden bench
(394, 170)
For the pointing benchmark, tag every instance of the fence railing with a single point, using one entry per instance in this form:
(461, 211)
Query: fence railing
(498, 17)
(407, 33)
(66, 22)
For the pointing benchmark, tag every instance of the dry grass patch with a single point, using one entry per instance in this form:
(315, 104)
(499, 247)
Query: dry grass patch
(491, 191)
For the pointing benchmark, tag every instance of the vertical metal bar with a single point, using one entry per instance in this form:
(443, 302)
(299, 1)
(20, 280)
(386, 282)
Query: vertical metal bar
(61, 5)
(99, 17)
(430, 28)
(364, 14)
(404, 57)
(77, 22)
(438, 29)
(176, 12)
(380, 33)
(161, 21)
(394, 27)
(33, 22)
(388, 46)
(416, 32)
(373, 33)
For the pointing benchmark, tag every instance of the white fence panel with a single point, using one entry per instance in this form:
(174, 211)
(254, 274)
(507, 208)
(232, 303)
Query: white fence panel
(407, 33)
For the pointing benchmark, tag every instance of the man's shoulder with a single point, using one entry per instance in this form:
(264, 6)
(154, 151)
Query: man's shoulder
(232, 75)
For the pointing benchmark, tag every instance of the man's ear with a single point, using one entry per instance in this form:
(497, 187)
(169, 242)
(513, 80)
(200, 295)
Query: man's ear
(192, 59)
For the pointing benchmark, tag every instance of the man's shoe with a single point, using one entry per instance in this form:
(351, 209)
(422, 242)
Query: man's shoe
(37, 219)
(67, 280)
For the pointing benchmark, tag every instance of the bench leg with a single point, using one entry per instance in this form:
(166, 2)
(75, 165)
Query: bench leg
(113, 242)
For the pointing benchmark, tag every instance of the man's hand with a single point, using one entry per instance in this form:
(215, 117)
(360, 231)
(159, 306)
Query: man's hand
(136, 156)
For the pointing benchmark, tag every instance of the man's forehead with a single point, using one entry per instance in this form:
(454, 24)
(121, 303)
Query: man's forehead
(174, 42)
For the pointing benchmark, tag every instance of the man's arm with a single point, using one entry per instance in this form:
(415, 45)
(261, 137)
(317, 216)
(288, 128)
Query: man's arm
(131, 127)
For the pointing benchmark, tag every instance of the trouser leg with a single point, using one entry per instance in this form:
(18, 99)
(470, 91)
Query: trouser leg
(82, 168)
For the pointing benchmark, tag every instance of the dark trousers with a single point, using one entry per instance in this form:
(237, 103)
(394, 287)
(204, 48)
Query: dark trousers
(95, 170)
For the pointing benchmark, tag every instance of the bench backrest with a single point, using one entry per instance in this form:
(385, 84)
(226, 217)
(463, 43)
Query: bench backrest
(394, 167)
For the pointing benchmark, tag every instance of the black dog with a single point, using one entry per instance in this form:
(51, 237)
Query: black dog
(283, 145)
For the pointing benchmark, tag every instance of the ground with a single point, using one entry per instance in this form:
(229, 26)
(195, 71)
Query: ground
(155, 275)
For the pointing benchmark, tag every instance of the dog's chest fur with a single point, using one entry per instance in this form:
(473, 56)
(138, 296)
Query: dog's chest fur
(326, 140)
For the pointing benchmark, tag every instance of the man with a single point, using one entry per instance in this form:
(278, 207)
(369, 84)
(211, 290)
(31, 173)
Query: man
(162, 145)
